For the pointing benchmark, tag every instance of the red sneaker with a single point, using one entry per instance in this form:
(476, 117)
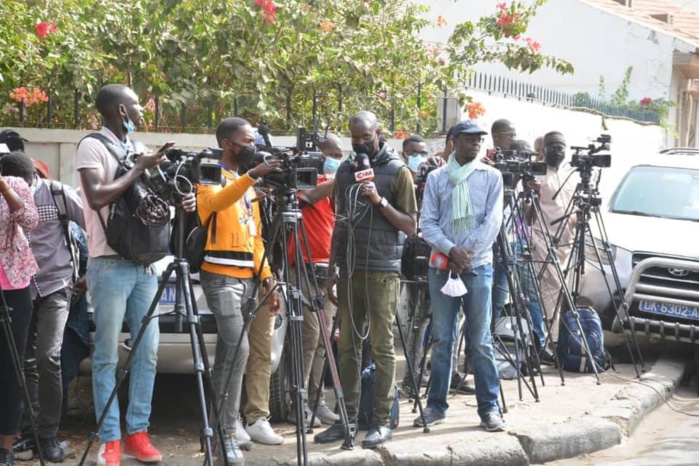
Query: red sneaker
(139, 446)
(109, 454)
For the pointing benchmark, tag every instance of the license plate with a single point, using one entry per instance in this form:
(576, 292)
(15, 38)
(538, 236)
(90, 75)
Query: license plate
(667, 309)
(169, 294)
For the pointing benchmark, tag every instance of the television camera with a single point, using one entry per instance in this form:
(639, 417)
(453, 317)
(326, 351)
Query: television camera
(299, 165)
(515, 165)
(585, 162)
(182, 170)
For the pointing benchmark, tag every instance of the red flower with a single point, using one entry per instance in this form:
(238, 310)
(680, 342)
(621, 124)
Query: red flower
(43, 29)
(646, 101)
(532, 44)
(502, 6)
(269, 9)
(28, 97)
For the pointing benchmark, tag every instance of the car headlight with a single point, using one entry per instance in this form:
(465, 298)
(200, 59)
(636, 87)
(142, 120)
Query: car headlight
(590, 254)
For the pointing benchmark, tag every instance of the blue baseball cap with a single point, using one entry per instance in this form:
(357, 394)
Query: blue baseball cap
(466, 126)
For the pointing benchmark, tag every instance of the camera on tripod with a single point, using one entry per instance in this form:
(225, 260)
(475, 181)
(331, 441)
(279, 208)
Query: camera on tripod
(181, 171)
(592, 158)
(299, 166)
(516, 164)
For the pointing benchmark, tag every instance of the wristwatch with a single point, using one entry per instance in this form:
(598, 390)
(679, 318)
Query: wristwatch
(383, 202)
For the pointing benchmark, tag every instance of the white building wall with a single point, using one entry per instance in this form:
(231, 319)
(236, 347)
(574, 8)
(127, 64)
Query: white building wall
(630, 141)
(596, 42)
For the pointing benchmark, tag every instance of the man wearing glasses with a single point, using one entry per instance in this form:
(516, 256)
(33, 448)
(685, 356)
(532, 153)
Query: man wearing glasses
(461, 216)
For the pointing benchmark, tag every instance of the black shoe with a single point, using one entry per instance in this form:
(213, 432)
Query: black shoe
(333, 433)
(376, 436)
(547, 357)
(51, 450)
(24, 443)
(456, 379)
(466, 388)
(7, 458)
(432, 418)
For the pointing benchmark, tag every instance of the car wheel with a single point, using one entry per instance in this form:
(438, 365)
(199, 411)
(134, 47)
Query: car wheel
(279, 391)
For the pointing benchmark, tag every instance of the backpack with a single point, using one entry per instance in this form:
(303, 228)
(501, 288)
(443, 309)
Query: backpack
(59, 198)
(415, 258)
(571, 348)
(195, 242)
(126, 233)
(367, 401)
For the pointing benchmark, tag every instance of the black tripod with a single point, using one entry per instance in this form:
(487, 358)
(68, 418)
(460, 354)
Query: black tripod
(585, 204)
(17, 364)
(185, 306)
(288, 223)
(520, 319)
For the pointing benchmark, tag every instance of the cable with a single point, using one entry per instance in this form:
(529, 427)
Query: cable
(356, 211)
(656, 391)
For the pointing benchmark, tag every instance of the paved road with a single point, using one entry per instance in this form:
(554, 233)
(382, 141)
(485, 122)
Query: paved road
(665, 437)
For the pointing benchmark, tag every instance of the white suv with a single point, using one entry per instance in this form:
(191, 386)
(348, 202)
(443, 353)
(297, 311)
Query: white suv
(652, 221)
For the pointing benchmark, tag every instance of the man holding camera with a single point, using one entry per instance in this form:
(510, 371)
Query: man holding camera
(234, 255)
(120, 289)
(378, 215)
(461, 216)
(546, 187)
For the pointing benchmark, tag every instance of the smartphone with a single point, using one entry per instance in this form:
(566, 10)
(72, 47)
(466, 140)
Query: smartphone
(166, 146)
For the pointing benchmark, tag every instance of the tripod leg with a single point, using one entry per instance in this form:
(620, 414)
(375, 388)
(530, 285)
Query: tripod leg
(17, 363)
(198, 352)
(409, 364)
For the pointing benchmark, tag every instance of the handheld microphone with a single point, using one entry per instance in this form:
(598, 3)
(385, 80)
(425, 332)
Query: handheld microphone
(363, 173)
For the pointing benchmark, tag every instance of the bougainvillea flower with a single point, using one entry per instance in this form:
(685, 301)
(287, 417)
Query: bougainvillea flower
(43, 28)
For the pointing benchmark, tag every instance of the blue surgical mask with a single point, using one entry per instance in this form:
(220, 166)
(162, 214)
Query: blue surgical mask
(128, 125)
(414, 162)
(330, 166)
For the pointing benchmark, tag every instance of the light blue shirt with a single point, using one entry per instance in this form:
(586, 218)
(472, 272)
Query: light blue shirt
(486, 191)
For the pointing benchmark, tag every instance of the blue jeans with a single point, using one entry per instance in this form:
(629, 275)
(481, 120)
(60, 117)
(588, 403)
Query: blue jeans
(501, 287)
(529, 284)
(445, 312)
(122, 290)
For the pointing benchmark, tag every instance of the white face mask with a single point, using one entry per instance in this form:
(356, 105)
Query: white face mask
(414, 162)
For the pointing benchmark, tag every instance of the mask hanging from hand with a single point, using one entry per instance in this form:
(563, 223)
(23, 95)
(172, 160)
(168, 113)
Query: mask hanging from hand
(454, 286)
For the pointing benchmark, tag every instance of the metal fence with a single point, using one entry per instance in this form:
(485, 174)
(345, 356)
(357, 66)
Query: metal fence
(510, 87)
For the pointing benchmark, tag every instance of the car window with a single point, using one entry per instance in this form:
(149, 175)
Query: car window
(659, 192)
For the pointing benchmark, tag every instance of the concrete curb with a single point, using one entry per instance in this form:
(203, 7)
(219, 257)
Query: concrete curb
(603, 428)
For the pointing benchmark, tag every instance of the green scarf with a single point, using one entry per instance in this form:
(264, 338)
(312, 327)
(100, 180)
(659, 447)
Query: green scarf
(461, 209)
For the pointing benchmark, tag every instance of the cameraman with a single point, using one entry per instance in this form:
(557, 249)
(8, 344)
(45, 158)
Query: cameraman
(554, 147)
(379, 215)
(120, 289)
(503, 134)
(234, 254)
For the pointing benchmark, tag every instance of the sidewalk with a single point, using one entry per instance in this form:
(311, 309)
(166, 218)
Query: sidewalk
(569, 420)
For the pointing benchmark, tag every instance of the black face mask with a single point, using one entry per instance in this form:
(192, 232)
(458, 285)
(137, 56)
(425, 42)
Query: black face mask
(246, 154)
(554, 160)
(554, 157)
(364, 148)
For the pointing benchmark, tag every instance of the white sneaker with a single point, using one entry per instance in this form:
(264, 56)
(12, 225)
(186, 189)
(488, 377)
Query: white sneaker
(261, 432)
(325, 414)
(242, 436)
